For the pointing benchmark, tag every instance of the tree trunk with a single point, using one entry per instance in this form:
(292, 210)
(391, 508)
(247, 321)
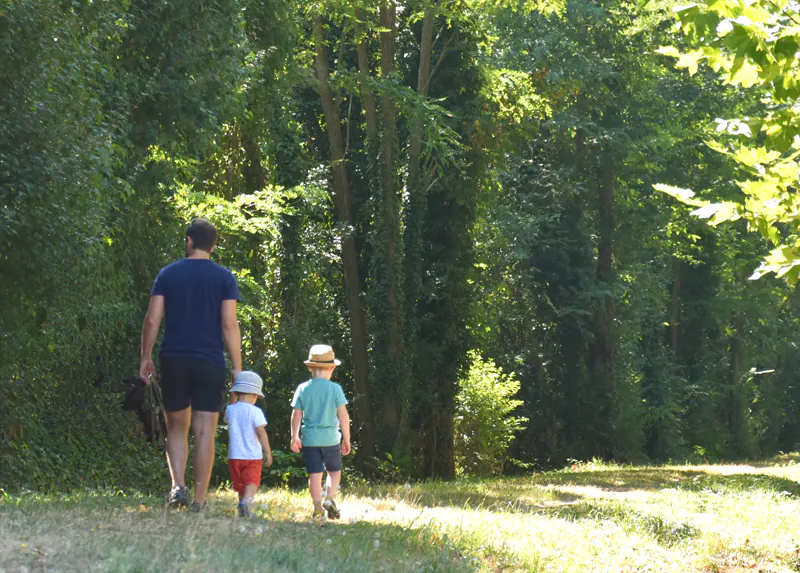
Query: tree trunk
(255, 177)
(603, 344)
(737, 419)
(367, 97)
(580, 137)
(395, 318)
(362, 402)
(391, 201)
(415, 212)
(675, 306)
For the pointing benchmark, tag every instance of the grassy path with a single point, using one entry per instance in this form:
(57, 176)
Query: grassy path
(593, 517)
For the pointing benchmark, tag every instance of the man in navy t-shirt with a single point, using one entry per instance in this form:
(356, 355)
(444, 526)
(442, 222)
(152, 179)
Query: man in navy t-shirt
(197, 298)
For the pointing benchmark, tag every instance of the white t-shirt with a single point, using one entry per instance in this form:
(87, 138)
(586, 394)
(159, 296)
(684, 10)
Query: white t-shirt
(243, 419)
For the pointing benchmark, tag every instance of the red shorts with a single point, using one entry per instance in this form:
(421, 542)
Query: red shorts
(245, 472)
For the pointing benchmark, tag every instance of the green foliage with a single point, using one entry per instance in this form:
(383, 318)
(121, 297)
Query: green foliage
(630, 326)
(755, 46)
(484, 422)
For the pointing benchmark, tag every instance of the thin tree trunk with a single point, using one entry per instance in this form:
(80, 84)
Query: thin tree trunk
(255, 177)
(580, 137)
(737, 419)
(367, 97)
(675, 306)
(416, 197)
(436, 415)
(603, 344)
(362, 403)
(395, 347)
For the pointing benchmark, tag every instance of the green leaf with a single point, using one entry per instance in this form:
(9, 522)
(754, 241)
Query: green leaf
(685, 196)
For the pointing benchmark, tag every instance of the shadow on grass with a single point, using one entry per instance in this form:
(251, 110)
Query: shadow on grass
(542, 491)
(663, 531)
(778, 460)
(654, 479)
(135, 533)
(568, 506)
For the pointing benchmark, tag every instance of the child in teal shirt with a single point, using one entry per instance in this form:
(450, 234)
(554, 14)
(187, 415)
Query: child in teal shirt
(321, 409)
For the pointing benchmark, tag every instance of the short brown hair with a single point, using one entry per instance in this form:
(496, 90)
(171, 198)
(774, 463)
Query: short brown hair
(203, 234)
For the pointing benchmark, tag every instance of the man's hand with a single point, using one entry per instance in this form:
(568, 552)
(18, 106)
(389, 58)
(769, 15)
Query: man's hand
(147, 370)
(235, 373)
(345, 447)
(268, 459)
(296, 445)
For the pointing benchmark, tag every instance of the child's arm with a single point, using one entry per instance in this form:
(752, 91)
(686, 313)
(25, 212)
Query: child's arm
(344, 424)
(297, 417)
(261, 434)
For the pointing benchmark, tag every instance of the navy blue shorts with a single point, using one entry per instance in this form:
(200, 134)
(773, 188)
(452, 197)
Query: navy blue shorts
(328, 458)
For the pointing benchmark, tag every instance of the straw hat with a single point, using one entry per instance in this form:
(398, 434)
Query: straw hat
(321, 355)
(248, 382)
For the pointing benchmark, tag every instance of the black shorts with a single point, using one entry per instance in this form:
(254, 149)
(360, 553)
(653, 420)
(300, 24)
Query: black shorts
(191, 382)
(328, 458)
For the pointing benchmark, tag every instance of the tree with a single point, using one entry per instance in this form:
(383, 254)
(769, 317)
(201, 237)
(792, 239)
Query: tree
(754, 46)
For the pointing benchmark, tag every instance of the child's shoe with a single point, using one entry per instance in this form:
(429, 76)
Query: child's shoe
(330, 506)
(244, 509)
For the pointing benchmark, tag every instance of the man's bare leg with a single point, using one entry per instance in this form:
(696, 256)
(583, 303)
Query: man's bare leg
(178, 444)
(205, 432)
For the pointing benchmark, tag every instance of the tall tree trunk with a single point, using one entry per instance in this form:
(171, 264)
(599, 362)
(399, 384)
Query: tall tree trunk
(580, 136)
(395, 327)
(362, 403)
(737, 419)
(256, 178)
(603, 345)
(367, 97)
(423, 423)
(415, 213)
(675, 306)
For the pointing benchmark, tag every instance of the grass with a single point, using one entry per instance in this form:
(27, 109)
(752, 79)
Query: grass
(588, 517)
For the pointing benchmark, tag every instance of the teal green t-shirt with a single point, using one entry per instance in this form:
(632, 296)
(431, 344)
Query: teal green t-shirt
(318, 399)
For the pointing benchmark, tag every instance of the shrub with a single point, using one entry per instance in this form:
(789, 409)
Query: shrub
(484, 426)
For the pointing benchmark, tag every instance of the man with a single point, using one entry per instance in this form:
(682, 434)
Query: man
(198, 298)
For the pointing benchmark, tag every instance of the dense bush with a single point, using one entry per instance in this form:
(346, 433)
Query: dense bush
(484, 424)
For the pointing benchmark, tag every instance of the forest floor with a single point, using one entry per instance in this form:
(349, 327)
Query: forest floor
(588, 517)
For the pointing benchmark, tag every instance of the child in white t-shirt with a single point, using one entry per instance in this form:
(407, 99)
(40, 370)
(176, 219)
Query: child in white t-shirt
(247, 437)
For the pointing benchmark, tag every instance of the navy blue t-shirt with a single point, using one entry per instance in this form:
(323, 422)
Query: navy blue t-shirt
(193, 291)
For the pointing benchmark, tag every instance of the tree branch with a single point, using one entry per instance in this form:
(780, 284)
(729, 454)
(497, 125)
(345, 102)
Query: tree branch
(439, 60)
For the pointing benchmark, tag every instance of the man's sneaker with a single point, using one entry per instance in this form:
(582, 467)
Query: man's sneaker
(330, 506)
(178, 497)
(244, 510)
(319, 516)
(196, 507)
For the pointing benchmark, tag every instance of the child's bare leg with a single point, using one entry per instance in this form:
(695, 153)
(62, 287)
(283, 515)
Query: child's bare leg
(315, 487)
(249, 492)
(332, 484)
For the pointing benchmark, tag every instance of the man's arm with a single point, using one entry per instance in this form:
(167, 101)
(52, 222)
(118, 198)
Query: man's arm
(232, 335)
(344, 424)
(152, 322)
(261, 434)
(297, 417)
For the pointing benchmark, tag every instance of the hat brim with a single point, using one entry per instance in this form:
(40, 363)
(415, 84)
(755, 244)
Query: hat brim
(336, 362)
(247, 389)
